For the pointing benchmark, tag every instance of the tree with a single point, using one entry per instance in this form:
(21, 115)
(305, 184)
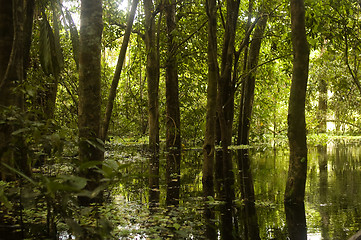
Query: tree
(247, 92)
(118, 70)
(11, 77)
(297, 172)
(152, 73)
(173, 138)
(225, 99)
(213, 75)
(211, 117)
(90, 145)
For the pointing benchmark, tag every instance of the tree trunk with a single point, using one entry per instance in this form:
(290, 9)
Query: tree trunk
(213, 75)
(297, 172)
(248, 86)
(225, 99)
(246, 106)
(173, 138)
(118, 70)
(90, 147)
(28, 30)
(153, 73)
(11, 76)
(209, 138)
(322, 105)
(6, 42)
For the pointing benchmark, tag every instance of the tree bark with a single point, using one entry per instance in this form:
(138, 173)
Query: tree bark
(6, 42)
(90, 147)
(11, 76)
(173, 137)
(297, 172)
(213, 75)
(118, 70)
(248, 86)
(225, 100)
(153, 72)
(152, 69)
(211, 117)
(322, 105)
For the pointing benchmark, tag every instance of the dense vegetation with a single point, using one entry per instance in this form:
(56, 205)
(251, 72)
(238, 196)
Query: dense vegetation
(190, 75)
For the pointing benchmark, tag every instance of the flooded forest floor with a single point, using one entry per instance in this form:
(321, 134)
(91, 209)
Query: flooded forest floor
(47, 207)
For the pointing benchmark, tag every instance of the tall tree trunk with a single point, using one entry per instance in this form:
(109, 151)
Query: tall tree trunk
(28, 30)
(11, 76)
(213, 75)
(173, 137)
(248, 86)
(225, 99)
(91, 26)
(322, 105)
(118, 70)
(246, 106)
(153, 73)
(6, 42)
(209, 138)
(297, 172)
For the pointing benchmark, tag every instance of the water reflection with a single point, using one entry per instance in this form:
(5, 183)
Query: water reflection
(323, 189)
(248, 211)
(173, 177)
(296, 221)
(154, 191)
(332, 209)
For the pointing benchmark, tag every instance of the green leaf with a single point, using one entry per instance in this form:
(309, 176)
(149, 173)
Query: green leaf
(20, 173)
(45, 46)
(96, 144)
(51, 57)
(76, 182)
(176, 226)
(19, 131)
(74, 37)
(90, 164)
(4, 199)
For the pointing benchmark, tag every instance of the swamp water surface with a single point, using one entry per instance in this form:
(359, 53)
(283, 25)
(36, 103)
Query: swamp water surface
(332, 201)
(332, 207)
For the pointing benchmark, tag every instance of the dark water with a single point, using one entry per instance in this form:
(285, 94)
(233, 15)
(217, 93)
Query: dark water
(332, 202)
(332, 208)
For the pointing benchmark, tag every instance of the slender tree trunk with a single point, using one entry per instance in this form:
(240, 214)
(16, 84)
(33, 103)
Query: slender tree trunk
(246, 106)
(213, 75)
(322, 105)
(91, 26)
(209, 138)
(28, 30)
(173, 137)
(297, 172)
(153, 73)
(248, 86)
(118, 70)
(225, 98)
